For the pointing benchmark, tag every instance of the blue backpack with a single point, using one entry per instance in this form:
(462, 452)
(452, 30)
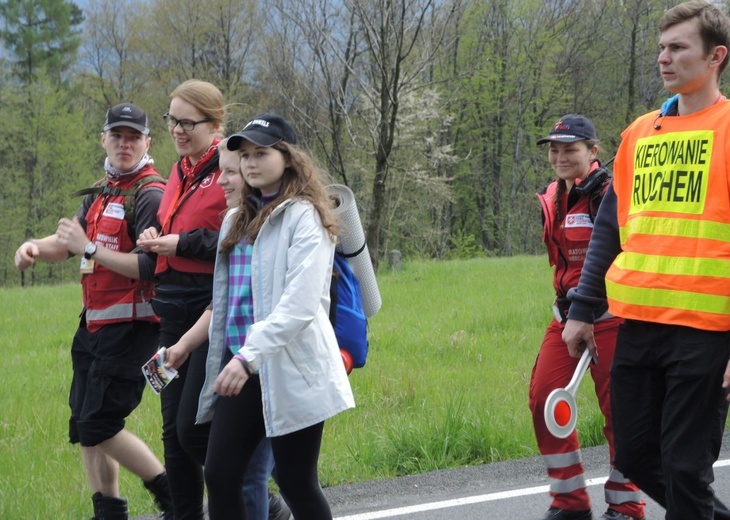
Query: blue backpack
(346, 312)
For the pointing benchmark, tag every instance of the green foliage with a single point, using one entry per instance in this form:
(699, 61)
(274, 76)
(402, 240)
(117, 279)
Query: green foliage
(50, 154)
(463, 246)
(420, 194)
(43, 36)
(473, 86)
(519, 66)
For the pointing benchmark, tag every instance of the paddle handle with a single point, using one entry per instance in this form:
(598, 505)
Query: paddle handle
(580, 371)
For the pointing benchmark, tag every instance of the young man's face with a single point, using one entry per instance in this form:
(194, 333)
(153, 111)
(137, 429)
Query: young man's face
(124, 146)
(683, 64)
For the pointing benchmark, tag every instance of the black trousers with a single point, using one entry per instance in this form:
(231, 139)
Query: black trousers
(669, 412)
(236, 431)
(184, 442)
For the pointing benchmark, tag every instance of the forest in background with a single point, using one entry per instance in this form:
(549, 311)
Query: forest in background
(427, 109)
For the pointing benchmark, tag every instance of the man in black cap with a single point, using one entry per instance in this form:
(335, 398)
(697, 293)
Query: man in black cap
(118, 331)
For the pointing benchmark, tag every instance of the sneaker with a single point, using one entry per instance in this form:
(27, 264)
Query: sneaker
(555, 513)
(612, 514)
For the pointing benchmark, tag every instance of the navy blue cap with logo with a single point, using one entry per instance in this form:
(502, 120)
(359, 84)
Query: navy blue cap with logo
(129, 115)
(263, 130)
(570, 129)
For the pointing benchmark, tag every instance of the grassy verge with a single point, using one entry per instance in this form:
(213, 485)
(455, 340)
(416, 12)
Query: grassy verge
(445, 385)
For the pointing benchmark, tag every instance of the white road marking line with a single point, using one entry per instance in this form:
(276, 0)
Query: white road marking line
(490, 497)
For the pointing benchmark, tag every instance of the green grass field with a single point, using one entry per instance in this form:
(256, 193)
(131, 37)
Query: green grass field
(445, 385)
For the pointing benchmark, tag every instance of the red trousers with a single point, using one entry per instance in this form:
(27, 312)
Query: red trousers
(553, 369)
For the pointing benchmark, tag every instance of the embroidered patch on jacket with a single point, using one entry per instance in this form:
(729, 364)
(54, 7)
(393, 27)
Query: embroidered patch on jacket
(578, 220)
(114, 210)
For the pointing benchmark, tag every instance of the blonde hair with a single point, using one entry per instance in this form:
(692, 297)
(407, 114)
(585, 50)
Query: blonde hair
(205, 97)
(302, 180)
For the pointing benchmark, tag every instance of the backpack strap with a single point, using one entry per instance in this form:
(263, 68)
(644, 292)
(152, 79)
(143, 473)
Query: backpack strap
(97, 187)
(353, 255)
(333, 293)
(595, 187)
(101, 187)
(104, 189)
(130, 199)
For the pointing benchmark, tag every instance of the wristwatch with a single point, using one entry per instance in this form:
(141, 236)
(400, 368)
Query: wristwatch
(89, 250)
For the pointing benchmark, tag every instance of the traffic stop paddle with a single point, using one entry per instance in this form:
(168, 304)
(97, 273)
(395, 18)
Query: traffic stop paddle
(561, 410)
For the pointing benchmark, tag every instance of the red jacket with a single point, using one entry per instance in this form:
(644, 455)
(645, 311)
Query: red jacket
(110, 297)
(201, 205)
(567, 240)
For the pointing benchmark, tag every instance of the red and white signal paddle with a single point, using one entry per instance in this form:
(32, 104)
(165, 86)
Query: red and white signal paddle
(561, 410)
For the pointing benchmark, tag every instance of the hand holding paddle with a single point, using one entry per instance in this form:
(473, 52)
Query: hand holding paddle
(561, 410)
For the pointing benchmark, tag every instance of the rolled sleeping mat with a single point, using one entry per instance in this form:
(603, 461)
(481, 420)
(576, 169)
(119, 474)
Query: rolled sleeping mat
(352, 245)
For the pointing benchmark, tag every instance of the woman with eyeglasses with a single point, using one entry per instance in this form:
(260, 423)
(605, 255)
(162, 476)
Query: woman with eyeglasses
(190, 213)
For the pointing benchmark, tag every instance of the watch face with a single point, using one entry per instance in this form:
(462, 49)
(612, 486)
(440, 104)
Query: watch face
(89, 250)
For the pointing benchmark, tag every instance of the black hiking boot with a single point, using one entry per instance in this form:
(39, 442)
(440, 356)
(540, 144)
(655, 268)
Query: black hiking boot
(160, 489)
(109, 508)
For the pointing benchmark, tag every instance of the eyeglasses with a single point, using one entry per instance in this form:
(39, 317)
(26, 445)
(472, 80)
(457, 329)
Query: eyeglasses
(185, 124)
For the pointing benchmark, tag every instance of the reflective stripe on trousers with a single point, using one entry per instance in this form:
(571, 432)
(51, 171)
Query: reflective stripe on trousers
(560, 461)
(616, 496)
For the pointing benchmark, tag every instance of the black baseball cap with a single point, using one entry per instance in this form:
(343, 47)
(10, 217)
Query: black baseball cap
(263, 130)
(129, 115)
(569, 129)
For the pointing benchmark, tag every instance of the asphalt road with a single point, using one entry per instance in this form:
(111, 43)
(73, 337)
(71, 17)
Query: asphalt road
(514, 490)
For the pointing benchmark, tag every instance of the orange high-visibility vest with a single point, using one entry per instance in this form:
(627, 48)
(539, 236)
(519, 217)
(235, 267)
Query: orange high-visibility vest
(673, 190)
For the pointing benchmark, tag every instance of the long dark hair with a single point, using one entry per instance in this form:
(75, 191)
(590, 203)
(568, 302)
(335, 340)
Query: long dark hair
(302, 180)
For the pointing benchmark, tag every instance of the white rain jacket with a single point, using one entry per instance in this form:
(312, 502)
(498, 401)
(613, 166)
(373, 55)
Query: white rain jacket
(291, 343)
